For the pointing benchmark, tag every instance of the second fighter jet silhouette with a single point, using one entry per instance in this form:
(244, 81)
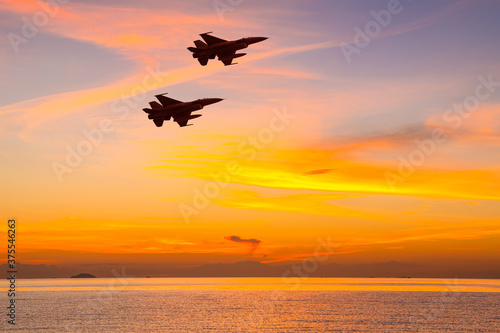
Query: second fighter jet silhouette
(181, 112)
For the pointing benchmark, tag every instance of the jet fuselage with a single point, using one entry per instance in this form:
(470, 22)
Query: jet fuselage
(224, 50)
(171, 110)
(220, 48)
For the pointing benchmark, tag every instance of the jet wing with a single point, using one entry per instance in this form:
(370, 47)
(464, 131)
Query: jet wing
(226, 58)
(182, 118)
(210, 40)
(166, 101)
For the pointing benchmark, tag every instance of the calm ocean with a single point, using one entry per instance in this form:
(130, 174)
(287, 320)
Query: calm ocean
(255, 305)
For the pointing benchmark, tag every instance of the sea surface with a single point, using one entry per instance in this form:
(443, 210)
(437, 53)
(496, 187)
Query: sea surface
(254, 305)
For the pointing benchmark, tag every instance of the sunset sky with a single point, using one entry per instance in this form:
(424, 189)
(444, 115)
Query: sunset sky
(371, 125)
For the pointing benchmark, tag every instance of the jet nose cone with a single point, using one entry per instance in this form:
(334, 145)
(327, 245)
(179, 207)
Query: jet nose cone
(209, 101)
(253, 40)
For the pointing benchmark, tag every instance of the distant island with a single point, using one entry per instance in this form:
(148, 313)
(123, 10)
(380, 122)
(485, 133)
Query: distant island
(83, 276)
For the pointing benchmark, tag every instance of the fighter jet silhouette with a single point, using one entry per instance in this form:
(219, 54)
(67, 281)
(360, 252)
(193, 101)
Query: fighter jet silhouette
(179, 111)
(224, 50)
